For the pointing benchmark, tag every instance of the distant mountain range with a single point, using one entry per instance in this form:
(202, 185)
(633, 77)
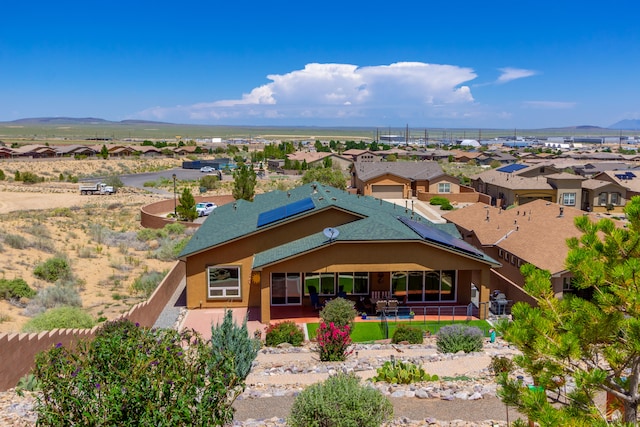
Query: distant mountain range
(76, 121)
(621, 125)
(629, 124)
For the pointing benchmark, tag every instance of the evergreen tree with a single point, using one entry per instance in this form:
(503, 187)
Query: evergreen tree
(186, 208)
(577, 347)
(104, 152)
(244, 183)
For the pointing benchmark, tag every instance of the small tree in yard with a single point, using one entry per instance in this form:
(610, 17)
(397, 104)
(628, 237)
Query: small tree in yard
(244, 184)
(186, 208)
(578, 347)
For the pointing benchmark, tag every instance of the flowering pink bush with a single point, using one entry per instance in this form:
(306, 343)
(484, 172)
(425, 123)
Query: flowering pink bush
(333, 342)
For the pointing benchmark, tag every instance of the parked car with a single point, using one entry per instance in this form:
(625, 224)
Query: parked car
(207, 169)
(206, 208)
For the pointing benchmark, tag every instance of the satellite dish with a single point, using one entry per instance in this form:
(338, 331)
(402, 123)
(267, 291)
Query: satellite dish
(331, 232)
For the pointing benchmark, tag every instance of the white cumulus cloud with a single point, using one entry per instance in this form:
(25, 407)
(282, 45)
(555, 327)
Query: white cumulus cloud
(328, 91)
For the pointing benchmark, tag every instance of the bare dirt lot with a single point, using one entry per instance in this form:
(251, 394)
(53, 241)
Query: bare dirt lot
(97, 234)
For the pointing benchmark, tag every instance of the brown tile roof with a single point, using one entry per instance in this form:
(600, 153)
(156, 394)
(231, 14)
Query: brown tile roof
(310, 157)
(630, 184)
(411, 170)
(512, 181)
(534, 232)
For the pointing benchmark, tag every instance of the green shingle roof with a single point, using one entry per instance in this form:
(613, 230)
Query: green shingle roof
(239, 219)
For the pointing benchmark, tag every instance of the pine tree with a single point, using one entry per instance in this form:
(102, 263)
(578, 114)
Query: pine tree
(244, 183)
(186, 208)
(575, 348)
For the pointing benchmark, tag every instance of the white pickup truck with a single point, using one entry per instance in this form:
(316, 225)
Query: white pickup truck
(97, 188)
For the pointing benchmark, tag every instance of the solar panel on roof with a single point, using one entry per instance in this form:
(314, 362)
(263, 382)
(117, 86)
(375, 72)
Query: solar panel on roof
(440, 237)
(511, 168)
(631, 174)
(285, 211)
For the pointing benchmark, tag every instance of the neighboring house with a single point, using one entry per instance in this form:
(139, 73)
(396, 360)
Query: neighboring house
(602, 196)
(34, 151)
(590, 170)
(149, 151)
(356, 155)
(534, 233)
(75, 150)
(568, 188)
(401, 180)
(506, 188)
(276, 251)
(629, 179)
(488, 157)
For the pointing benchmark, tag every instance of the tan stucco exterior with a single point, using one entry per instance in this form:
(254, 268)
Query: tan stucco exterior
(379, 258)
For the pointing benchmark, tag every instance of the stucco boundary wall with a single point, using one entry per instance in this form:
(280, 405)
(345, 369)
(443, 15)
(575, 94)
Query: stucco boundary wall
(154, 215)
(18, 351)
(457, 197)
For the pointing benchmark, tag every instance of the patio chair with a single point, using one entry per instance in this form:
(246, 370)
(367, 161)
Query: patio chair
(381, 306)
(392, 307)
(314, 298)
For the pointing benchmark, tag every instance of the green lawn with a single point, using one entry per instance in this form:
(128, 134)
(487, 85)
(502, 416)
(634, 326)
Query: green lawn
(373, 330)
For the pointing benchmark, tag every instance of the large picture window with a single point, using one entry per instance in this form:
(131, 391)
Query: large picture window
(323, 283)
(223, 282)
(354, 283)
(424, 286)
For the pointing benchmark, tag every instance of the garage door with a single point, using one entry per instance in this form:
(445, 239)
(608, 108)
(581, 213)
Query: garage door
(387, 191)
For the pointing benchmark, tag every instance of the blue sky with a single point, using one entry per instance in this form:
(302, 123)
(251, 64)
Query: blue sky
(456, 64)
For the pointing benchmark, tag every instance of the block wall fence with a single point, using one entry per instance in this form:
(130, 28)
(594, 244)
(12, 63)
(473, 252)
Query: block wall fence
(18, 351)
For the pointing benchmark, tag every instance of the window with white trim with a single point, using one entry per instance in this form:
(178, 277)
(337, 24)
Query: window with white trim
(223, 281)
(444, 187)
(569, 199)
(602, 199)
(615, 198)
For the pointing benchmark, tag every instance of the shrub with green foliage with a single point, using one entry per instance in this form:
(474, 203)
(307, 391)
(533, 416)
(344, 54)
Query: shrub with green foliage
(158, 377)
(15, 288)
(30, 178)
(232, 342)
(2, 175)
(410, 334)
(398, 372)
(444, 203)
(147, 282)
(53, 269)
(282, 332)
(501, 364)
(61, 317)
(339, 311)
(455, 338)
(340, 401)
(210, 182)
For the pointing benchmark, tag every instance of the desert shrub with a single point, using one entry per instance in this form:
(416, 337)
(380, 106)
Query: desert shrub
(446, 207)
(398, 372)
(37, 229)
(85, 252)
(282, 332)
(147, 282)
(340, 401)
(333, 342)
(151, 184)
(66, 212)
(408, 333)
(500, 364)
(44, 244)
(455, 338)
(15, 241)
(114, 181)
(210, 182)
(61, 317)
(175, 228)
(147, 234)
(30, 178)
(59, 295)
(160, 377)
(169, 249)
(2, 175)
(15, 288)
(97, 232)
(340, 312)
(230, 341)
(53, 269)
